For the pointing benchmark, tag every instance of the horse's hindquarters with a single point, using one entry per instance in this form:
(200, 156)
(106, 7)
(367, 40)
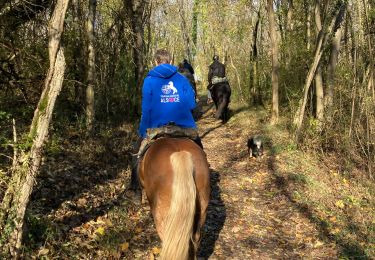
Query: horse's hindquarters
(175, 176)
(221, 95)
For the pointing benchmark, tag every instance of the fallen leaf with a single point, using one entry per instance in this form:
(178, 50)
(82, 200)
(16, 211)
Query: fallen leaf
(82, 202)
(340, 204)
(156, 250)
(108, 223)
(43, 251)
(335, 231)
(124, 246)
(100, 220)
(138, 230)
(100, 231)
(235, 229)
(318, 243)
(86, 226)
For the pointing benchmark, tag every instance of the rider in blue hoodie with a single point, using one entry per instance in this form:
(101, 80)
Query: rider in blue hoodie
(167, 97)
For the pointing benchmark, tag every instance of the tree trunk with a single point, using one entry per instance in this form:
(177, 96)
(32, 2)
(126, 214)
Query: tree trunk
(78, 55)
(194, 33)
(322, 38)
(275, 63)
(184, 30)
(318, 77)
(15, 201)
(137, 14)
(319, 92)
(288, 30)
(90, 110)
(254, 91)
(335, 48)
(308, 25)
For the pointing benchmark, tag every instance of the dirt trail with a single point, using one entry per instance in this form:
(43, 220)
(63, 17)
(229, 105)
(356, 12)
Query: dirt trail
(82, 201)
(249, 217)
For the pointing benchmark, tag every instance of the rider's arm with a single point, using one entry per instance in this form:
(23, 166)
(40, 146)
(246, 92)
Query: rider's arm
(146, 108)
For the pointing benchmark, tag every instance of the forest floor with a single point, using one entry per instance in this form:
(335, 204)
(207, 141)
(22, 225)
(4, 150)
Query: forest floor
(288, 204)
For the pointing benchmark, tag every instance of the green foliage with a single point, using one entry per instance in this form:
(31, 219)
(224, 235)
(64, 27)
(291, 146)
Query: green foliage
(299, 178)
(371, 14)
(39, 229)
(287, 147)
(4, 115)
(54, 145)
(43, 104)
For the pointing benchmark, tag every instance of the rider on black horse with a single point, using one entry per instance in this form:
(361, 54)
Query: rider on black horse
(216, 74)
(167, 98)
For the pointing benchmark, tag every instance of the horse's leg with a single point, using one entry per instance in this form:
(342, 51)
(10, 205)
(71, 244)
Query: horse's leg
(203, 204)
(204, 190)
(154, 191)
(159, 216)
(226, 110)
(221, 108)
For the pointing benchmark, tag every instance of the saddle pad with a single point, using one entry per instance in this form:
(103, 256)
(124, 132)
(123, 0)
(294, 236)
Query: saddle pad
(165, 131)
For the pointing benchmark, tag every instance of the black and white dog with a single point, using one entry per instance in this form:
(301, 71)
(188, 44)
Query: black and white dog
(255, 146)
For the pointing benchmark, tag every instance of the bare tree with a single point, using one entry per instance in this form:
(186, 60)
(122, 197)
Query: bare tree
(254, 89)
(138, 15)
(17, 196)
(275, 62)
(185, 30)
(335, 49)
(319, 48)
(319, 92)
(90, 110)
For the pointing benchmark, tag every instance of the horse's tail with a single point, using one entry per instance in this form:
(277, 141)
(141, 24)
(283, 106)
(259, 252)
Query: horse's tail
(178, 225)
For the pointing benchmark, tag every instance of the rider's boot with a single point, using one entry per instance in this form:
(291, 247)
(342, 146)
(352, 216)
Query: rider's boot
(135, 192)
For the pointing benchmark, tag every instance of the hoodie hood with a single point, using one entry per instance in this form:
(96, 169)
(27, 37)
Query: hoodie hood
(164, 71)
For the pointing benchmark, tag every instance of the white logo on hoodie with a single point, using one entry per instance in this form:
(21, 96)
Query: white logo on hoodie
(170, 93)
(166, 89)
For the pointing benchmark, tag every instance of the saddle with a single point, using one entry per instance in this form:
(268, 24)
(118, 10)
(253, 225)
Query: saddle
(165, 131)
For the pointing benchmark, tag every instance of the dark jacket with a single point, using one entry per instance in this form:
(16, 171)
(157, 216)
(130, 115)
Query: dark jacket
(188, 67)
(216, 69)
(189, 76)
(166, 97)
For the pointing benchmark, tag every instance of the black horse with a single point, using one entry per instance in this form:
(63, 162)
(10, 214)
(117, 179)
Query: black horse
(220, 93)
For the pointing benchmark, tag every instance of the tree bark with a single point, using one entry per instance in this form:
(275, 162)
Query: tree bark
(194, 33)
(254, 90)
(275, 63)
(90, 109)
(335, 49)
(137, 14)
(319, 90)
(184, 30)
(14, 204)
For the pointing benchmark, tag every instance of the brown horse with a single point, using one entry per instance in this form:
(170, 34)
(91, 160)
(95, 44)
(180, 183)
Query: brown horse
(175, 175)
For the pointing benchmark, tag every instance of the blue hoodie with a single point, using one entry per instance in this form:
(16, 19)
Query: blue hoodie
(166, 97)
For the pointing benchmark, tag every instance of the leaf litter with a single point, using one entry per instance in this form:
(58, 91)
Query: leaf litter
(82, 193)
